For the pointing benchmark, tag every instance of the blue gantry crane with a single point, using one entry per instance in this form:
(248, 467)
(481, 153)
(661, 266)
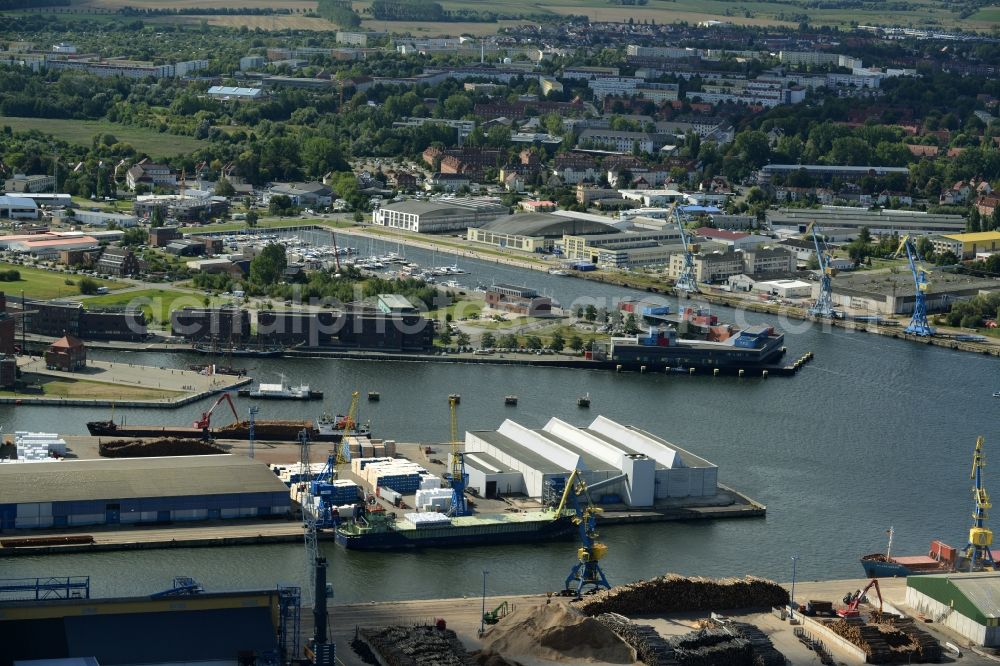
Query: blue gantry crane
(918, 323)
(586, 574)
(253, 413)
(686, 281)
(458, 478)
(823, 307)
(978, 551)
(319, 651)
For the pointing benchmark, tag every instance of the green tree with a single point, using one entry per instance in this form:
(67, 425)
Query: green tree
(280, 204)
(157, 217)
(631, 325)
(224, 188)
(533, 342)
(508, 341)
(445, 335)
(488, 341)
(557, 342)
(576, 343)
(88, 286)
(267, 267)
(462, 339)
(252, 218)
(590, 313)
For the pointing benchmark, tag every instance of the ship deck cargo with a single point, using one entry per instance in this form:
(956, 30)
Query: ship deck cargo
(377, 532)
(659, 349)
(268, 430)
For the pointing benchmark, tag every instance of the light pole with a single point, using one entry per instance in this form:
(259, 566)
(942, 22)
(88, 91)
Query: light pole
(482, 618)
(791, 603)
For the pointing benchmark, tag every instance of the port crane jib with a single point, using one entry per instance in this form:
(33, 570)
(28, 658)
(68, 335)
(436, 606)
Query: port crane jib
(918, 323)
(978, 551)
(686, 281)
(205, 422)
(458, 478)
(855, 599)
(587, 574)
(823, 307)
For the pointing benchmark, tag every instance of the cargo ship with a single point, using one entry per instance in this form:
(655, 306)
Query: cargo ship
(281, 391)
(380, 530)
(324, 430)
(941, 558)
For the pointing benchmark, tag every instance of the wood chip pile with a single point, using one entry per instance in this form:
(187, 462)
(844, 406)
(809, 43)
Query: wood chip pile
(675, 594)
(417, 646)
(889, 639)
(170, 446)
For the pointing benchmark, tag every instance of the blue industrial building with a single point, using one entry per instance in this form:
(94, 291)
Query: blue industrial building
(139, 490)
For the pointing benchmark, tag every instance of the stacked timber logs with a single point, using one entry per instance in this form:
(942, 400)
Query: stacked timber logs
(649, 646)
(673, 593)
(712, 647)
(171, 446)
(764, 651)
(890, 639)
(416, 646)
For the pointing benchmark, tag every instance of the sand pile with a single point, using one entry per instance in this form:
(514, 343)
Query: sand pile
(556, 632)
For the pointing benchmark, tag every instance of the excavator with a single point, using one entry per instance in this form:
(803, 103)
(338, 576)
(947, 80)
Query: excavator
(205, 422)
(853, 600)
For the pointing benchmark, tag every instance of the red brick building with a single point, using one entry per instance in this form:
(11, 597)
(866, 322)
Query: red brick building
(67, 354)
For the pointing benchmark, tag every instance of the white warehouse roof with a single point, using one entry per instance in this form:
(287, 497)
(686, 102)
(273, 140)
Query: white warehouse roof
(232, 91)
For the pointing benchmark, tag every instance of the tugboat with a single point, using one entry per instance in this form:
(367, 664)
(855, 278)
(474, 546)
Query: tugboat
(281, 391)
(510, 400)
(583, 401)
(374, 396)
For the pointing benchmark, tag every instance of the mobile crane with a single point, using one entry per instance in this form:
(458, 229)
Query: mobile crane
(205, 422)
(855, 599)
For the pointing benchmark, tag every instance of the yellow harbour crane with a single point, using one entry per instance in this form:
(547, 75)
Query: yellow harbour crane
(457, 476)
(350, 425)
(587, 573)
(978, 551)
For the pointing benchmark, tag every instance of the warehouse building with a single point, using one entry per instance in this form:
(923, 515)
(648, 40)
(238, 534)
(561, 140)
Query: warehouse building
(535, 232)
(895, 293)
(967, 603)
(968, 246)
(67, 627)
(228, 324)
(439, 215)
(515, 459)
(138, 490)
(877, 222)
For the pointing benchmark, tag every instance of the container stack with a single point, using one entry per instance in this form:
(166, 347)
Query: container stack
(429, 482)
(38, 446)
(438, 499)
(402, 476)
(337, 492)
(358, 465)
(428, 519)
(389, 495)
(293, 473)
(390, 447)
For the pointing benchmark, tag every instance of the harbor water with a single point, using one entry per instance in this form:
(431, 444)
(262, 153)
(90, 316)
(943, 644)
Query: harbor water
(873, 433)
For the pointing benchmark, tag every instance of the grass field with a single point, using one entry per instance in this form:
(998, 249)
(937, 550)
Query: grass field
(266, 224)
(156, 303)
(59, 387)
(81, 132)
(42, 284)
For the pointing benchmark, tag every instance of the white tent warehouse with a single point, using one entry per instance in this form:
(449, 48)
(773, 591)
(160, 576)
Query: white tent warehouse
(515, 459)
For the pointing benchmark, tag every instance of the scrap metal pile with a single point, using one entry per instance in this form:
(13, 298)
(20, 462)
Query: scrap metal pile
(888, 639)
(674, 594)
(417, 646)
(170, 446)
